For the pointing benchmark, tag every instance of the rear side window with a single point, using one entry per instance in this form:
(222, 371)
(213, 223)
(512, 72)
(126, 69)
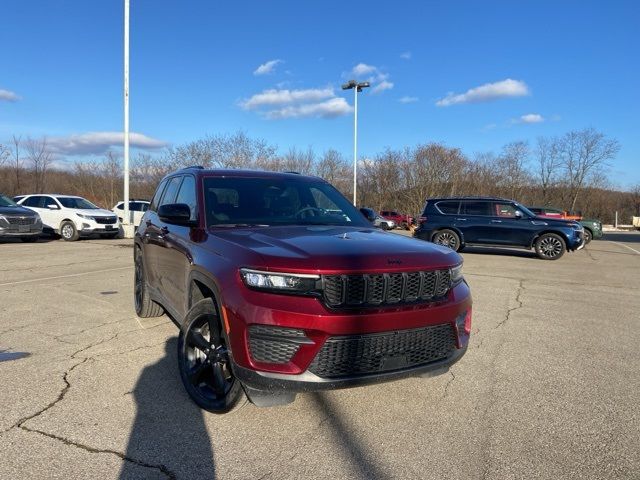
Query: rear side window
(448, 207)
(156, 198)
(475, 207)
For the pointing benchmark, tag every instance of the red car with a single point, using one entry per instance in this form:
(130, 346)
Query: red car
(279, 285)
(401, 220)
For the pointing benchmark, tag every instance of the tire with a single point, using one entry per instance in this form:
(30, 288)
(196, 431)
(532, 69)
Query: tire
(145, 307)
(550, 246)
(588, 236)
(68, 232)
(30, 239)
(447, 238)
(204, 361)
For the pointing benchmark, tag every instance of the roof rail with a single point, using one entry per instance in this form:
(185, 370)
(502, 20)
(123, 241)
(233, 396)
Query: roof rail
(199, 167)
(291, 171)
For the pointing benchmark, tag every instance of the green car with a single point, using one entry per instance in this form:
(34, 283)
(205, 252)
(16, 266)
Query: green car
(592, 227)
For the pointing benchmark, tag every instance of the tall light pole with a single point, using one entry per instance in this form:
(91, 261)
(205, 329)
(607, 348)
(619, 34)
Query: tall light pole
(125, 218)
(357, 88)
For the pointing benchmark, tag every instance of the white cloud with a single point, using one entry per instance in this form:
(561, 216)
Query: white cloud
(488, 127)
(407, 99)
(274, 97)
(487, 93)
(362, 69)
(99, 142)
(334, 107)
(382, 86)
(9, 96)
(405, 55)
(267, 67)
(530, 118)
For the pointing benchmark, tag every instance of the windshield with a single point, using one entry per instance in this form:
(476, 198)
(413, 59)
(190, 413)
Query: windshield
(526, 211)
(7, 202)
(76, 202)
(276, 201)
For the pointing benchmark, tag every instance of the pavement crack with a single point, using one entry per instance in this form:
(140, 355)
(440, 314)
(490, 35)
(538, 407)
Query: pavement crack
(513, 309)
(590, 255)
(162, 468)
(448, 384)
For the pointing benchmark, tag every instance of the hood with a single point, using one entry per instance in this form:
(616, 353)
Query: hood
(93, 212)
(332, 249)
(555, 221)
(17, 210)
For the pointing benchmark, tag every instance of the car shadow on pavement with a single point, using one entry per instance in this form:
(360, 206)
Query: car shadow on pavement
(169, 436)
(364, 461)
(631, 237)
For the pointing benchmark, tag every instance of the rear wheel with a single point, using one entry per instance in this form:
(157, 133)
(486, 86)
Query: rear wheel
(145, 307)
(68, 232)
(550, 246)
(447, 238)
(588, 236)
(204, 361)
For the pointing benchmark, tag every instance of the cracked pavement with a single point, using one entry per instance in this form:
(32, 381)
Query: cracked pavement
(548, 388)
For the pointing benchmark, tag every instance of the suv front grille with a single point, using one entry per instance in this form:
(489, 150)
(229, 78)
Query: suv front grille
(21, 220)
(354, 355)
(105, 220)
(385, 289)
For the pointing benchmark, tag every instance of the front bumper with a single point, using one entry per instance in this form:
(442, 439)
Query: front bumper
(308, 382)
(31, 231)
(93, 229)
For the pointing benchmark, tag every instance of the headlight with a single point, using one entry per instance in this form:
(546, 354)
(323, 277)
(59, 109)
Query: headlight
(86, 217)
(280, 282)
(456, 275)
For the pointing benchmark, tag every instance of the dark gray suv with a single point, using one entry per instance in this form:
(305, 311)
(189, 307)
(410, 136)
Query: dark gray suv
(18, 222)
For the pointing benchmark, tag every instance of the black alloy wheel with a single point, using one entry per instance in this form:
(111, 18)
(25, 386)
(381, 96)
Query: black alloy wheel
(447, 238)
(145, 307)
(550, 246)
(204, 360)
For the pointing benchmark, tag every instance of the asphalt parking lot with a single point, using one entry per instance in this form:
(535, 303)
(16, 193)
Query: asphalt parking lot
(549, 388)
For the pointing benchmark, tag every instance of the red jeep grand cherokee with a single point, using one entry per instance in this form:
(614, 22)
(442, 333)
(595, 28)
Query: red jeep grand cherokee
(279, 285)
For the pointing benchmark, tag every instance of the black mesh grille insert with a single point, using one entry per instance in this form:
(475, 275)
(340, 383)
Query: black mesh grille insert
(274, 344)
(387, 288)
(105, 220)
(353, 355)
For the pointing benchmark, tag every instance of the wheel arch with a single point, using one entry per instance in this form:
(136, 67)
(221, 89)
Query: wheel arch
(562, 235)
(202, 286)
(452, 228)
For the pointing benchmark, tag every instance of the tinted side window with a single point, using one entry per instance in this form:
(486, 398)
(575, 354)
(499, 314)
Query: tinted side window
(187, 194)
(504, 209)
(49, 201)
(169, 195)
(156, 196)
(33, 202)
(448, 208)
(475, 207)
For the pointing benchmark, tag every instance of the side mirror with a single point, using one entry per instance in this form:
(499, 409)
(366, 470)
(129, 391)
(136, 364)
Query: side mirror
(368, 214)
(53, 206)
(176, 214)
(518, 214)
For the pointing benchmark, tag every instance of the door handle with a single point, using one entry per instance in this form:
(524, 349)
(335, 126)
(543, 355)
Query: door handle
(496, 221)
(461, 219)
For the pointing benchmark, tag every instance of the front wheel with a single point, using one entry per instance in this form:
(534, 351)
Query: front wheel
(588, 236)
(447, 238)
(68, 232)
(550, 246)
(204, 360)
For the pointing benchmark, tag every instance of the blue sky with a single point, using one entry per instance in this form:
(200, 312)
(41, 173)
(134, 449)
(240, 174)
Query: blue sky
(474, 75)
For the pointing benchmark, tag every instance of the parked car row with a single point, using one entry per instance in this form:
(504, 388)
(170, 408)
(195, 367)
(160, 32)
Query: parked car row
(72, 217)
(592, 227)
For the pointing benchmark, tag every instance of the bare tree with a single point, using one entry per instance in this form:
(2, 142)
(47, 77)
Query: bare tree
(40, 158)
(548, 157)
(635, 198)
(511, 168)
(17, 161)
(585, 153)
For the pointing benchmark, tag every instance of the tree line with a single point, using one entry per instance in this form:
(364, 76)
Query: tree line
(567, 171)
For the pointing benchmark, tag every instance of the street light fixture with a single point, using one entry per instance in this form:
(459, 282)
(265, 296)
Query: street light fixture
(357, 87)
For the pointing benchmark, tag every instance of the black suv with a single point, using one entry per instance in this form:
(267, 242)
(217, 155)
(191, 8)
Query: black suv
(456, 222)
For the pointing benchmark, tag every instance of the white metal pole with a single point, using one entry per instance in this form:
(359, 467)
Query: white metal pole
(126, 113)
(355, 145)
